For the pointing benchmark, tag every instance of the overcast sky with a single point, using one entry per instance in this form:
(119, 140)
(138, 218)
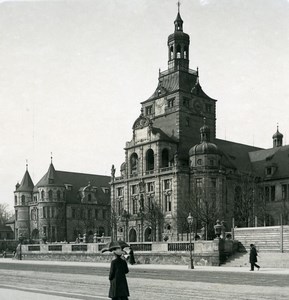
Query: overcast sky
(73, 74)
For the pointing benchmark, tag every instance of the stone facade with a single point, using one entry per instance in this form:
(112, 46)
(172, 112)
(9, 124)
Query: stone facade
(174, 164)
(62, 206)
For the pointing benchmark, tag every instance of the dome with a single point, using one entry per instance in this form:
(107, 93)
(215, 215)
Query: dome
(277, 135)
(179, 35)
(204, 148)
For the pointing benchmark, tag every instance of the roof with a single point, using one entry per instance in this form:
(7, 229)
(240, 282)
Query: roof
(173, 80)
(78, 181)
(50, 178)
(235, 154)
(26, 184)
(277, 157)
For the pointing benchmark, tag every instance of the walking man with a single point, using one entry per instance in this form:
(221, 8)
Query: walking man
(253, 257)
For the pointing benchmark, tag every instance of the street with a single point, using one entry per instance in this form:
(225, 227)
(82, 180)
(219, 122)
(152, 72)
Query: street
(60, 280)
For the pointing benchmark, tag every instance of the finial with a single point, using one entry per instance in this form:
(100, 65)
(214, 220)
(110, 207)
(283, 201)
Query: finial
(51, 157)
(277, 126)
(179, 4)
(26, 164)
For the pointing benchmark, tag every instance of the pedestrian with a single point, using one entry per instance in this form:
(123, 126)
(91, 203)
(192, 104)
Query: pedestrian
(253, 257)
(131, 259)
(118, 284)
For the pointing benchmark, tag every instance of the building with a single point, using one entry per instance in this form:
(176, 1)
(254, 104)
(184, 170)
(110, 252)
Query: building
(62, 206)
(174, 164)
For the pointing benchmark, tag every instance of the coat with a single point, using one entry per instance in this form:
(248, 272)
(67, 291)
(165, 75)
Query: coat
(118, 282)
(253, 255)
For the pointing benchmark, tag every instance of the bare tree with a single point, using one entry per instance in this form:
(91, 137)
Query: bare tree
(5, 214)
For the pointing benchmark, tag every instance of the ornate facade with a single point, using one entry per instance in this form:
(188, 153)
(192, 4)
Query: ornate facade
(174, 164)
(62, 206)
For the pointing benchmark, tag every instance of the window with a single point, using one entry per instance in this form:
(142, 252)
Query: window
(42, 195)
(15, 200)
(134, 206)
(16, 215)
(284, 192)
(168, 203)
(119, 207)
(150, 160)
(150, 186)
(73, 213)
(35, 198)
(149, 110)
(134, 163)
(267, 193)
(44, 230)
(58, 195)
(171, 102)
(150, 203)
(89, 197)
(186, 52)
(89, 214)
(269, 171)
(165, 158)
(119, 192)
(134, 189)
(50, 195)
(171, 52)
(178, 51)
(44, 213)
(167, 184)
(22, 200)
(199, 184)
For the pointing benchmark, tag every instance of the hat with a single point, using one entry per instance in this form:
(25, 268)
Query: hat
(118, 252)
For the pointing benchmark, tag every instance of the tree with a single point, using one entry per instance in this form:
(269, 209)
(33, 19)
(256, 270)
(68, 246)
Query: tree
(5, 214)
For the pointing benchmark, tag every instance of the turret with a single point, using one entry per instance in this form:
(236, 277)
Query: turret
(277, 138)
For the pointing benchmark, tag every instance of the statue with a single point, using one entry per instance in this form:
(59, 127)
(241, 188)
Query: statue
(112, 172)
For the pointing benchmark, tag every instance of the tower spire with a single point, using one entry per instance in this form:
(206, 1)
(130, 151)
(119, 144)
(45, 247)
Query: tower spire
(51, 157)
(179, 4)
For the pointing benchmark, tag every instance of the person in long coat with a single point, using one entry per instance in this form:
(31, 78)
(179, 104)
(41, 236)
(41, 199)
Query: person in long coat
(253, 257)
(118, 283)
(131, 258)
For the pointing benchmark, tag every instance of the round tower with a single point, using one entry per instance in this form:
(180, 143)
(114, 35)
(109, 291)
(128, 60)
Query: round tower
(277, 138)
(22, 199)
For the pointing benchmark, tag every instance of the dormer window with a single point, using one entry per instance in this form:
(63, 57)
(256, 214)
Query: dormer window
(171, 102)
(149, 110)
(89, 198)
(269, 171)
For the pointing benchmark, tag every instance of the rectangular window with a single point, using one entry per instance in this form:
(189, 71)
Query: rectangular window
(134, 189)
(119, 192)
(119, 207)
(284, 191)
(167, 184)
(168, 203)
(44, 230)
(149, 110)
(16, 215)
(134, 206)
(150, 186)
(44, 212)
(171, 102)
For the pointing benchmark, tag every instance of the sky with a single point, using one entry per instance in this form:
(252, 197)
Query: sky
(73, 74)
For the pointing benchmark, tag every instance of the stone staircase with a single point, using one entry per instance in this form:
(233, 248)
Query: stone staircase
(265, 260)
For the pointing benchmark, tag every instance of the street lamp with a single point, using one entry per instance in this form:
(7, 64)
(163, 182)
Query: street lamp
(190, 220)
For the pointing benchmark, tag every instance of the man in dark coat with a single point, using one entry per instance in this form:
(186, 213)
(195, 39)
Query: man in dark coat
(253, 257)
(118, 283)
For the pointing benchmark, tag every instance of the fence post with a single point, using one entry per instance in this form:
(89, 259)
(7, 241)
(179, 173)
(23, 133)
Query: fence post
(281, 234)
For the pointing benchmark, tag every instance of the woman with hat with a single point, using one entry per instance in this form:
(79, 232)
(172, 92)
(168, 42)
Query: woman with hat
(118, 283)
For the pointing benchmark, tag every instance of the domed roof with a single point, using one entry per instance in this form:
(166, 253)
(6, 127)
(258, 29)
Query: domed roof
(204, 148)
(277, 134)
(180, 35)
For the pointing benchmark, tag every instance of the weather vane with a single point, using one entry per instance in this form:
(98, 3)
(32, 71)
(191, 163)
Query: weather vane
(179, 4)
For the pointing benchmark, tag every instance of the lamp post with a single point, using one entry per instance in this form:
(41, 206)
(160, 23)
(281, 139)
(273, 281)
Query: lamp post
(190, 220)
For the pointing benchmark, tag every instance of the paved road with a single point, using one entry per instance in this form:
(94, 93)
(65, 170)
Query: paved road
(55, 280)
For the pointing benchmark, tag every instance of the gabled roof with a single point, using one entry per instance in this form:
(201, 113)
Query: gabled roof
(26, 184)
(50, 178)
(277, 157)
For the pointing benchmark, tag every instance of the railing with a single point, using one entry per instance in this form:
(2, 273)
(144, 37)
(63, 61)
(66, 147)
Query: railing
(142, 247)
(179, 246)
(55, 248)
(33, 248)
(79, 248)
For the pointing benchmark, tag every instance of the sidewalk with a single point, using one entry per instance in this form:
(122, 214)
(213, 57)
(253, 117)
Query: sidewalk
(281, 271)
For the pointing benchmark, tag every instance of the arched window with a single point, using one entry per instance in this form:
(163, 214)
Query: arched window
(150, 160)
(165, 158)
(42, 195)
(178, 51)
(186, 53)
(134, 164)
(132, 235)
(22, 200)
(50, 194)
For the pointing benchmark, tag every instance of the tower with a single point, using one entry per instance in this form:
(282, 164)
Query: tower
(277, 138)
(22, 197)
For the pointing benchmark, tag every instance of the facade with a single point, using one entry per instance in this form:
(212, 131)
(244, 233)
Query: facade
(62, 206)
(174, 164)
